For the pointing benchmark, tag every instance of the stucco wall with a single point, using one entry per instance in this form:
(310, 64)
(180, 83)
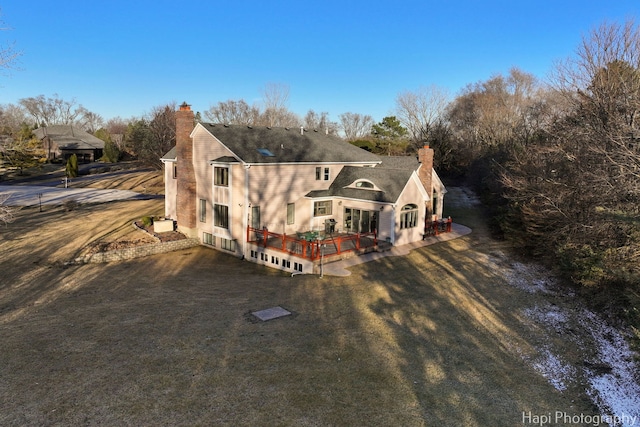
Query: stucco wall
(410, 195)
(170, 191)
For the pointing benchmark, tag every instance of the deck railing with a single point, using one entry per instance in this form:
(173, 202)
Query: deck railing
(311, 249)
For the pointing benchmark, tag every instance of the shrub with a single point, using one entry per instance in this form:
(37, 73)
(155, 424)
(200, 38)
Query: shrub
(111, 152)
(70, 205)
(72, 166)
(147, 221)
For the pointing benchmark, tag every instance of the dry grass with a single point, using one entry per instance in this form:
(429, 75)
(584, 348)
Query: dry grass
(146, 182)
(433, 338)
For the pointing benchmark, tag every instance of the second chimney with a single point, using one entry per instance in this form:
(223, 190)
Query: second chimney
(186, 185)
(425, 157)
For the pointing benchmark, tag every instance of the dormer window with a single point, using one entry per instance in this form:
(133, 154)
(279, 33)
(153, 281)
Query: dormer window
(364, 184)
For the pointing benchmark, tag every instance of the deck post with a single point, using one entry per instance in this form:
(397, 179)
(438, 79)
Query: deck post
(265, 231)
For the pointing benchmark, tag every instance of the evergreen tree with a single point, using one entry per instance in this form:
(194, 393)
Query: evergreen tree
(72, 166)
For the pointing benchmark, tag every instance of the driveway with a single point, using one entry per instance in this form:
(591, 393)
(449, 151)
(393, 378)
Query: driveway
(33, 195)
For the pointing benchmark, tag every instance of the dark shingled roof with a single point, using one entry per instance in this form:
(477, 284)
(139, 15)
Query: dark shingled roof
(287, 145)
(171, 155)
(390, 181)
(400, 162)
(70, 137)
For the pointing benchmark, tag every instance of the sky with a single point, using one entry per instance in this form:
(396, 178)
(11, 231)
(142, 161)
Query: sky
(123, 58)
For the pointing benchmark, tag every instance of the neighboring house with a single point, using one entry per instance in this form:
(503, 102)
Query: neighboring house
(61, 141)
(238, 187)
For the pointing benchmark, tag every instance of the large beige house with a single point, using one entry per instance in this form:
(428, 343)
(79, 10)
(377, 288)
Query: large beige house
(275, 196)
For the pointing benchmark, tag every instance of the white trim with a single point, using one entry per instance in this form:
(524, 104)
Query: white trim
(350, 199)
(416, 179)
(353, 185)
(245, 210)
(392, 227)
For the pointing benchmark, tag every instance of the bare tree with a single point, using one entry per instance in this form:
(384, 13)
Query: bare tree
(90, 121)
(493, 114)
(117, 128)
(355, 125)
(576, 191)
(604, 45)
(7, 213)
(418, 111)
(52, 111)
(275, 97)
(233, 113)
(8, 54)
(11, 118)
(320, 122)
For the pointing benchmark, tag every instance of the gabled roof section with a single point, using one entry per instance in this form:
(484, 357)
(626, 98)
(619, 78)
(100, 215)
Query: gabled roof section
(69, 137)
(225, 159)
(171, 156)
(253, 144)
(390, 181)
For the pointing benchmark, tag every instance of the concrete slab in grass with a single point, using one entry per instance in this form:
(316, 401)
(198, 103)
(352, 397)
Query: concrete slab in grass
(271, 313)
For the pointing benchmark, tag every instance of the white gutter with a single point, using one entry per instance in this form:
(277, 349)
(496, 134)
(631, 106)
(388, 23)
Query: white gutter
(245, 208)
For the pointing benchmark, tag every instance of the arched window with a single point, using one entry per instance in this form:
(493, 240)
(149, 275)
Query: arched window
(409, 216)
(364, 184)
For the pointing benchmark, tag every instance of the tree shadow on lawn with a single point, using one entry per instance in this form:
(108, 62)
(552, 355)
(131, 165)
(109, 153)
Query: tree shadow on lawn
(38, 246)
(460, 341)
(170, 340)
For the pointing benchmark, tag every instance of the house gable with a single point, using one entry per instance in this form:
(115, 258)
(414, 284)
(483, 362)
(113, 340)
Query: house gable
(388, 184)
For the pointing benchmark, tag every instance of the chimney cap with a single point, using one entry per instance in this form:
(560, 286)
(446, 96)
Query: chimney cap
(185, 107)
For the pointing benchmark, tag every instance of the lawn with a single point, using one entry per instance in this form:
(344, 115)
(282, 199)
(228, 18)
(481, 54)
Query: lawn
(435, 338)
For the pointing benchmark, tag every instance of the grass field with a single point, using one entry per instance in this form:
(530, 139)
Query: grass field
(440, 337)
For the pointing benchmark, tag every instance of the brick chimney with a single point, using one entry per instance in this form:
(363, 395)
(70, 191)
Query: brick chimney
(425, 157)
(186, 185)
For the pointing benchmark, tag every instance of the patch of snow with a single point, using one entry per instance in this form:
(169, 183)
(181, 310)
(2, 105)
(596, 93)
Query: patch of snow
(612, 376)
(551, 316)
(529, 278)
(554, 369)
(617, 393)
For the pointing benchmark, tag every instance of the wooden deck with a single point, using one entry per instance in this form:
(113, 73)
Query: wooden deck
(312, 245)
